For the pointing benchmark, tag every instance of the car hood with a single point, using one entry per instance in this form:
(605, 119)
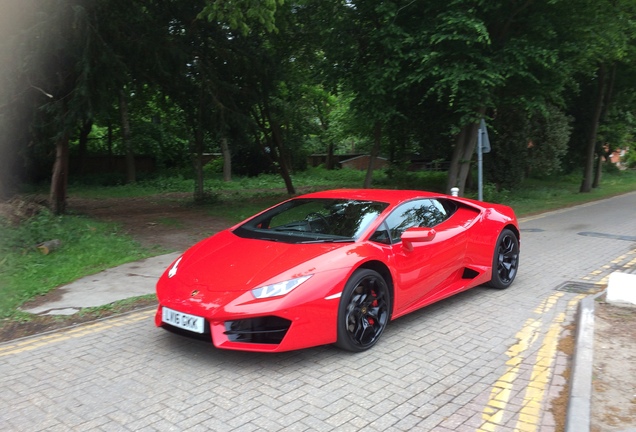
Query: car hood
(228, 263)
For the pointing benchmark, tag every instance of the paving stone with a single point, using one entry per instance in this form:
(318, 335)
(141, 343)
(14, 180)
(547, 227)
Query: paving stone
(433, 370)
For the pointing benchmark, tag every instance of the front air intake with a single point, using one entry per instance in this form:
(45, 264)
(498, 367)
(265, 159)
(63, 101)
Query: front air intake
(262, 330)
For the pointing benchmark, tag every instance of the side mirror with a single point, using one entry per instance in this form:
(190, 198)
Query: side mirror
(416, 235)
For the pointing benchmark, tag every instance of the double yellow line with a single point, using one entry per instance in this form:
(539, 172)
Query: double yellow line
(529, 417)
(495, 413)
(28, 344)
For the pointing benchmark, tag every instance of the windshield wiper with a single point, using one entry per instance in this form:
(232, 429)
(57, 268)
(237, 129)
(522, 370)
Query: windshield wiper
(328, 241)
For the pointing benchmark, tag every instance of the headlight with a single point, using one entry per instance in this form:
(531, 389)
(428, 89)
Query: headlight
(174, 268)
(279, 288)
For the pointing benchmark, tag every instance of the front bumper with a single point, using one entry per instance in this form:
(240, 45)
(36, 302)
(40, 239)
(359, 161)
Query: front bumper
(304, 318)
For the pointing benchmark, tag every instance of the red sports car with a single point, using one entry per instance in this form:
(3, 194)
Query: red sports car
(335, 267)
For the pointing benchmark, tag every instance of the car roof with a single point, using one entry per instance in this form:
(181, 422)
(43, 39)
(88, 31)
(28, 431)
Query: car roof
(390, 196)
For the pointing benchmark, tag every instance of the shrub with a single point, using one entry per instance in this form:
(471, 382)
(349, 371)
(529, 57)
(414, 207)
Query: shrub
(629, 159)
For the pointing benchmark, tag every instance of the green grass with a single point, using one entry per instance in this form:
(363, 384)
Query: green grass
(264, 185)
(118, 306)
(535, 196)
(87, 247)
(538, 196)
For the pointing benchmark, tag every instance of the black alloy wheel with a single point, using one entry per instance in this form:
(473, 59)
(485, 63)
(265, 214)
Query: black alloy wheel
(364, 311)
(506, 260)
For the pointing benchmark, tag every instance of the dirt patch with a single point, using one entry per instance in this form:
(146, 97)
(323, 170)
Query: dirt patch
(614, 380)
(20, 208)
(165, 220)
(559, 405)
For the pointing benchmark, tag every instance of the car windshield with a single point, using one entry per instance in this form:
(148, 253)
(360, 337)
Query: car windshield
(306, 220)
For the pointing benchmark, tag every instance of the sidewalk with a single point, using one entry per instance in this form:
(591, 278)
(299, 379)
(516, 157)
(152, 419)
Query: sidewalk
(119, 283)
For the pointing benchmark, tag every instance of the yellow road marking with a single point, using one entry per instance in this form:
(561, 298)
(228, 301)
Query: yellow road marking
(530, 414)
(548, 303)
(75, 332)
(502, 389)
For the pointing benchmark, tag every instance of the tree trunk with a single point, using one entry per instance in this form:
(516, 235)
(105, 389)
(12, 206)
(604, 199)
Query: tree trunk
(469, 151)
(85, 130)
(277, 138)
(330, 158)
(198, 165)
(599, 169)
(111, 162)
(375, 151)
(324, 125)
(227, 160)
(131, 175)
(603, 151)
(278, 145)
(590, 152)
(59, 180)
(48, 246)
(453, 169)
(289, 185)
(276, 153)
(462, 155)
(198, 153)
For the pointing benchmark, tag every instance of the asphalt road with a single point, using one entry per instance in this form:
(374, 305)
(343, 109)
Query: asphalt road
(484, 360)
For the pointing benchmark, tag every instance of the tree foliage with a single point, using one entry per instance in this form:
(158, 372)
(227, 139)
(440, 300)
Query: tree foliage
(265, 83)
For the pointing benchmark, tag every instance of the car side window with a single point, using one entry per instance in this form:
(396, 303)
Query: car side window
(381, 235)
(417, 213)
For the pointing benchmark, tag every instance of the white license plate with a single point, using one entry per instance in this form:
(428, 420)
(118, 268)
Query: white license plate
(183, 320)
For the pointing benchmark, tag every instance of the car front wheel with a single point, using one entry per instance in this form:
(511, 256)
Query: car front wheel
(506, 260)
(364, 311)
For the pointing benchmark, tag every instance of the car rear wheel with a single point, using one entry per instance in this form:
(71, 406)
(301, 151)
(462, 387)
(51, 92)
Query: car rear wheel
(363, 312)
(506, 260)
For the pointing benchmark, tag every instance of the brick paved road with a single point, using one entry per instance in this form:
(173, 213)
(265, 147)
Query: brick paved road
(483, 360)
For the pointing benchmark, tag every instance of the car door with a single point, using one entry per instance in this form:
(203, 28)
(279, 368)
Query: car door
(424, 267)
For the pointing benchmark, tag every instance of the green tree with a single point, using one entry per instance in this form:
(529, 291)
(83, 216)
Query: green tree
(54, 53)
(243, 15)
(364, 46)
(549, 135)
(68, 52)
(405, 62)
(608, 39)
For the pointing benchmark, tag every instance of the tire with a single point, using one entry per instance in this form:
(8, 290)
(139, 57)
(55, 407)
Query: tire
(364, 310)
(505, 262)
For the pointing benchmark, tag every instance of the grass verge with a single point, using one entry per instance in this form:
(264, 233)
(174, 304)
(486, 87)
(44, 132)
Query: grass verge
(86, 247)
(539, 196)
(11, 329)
